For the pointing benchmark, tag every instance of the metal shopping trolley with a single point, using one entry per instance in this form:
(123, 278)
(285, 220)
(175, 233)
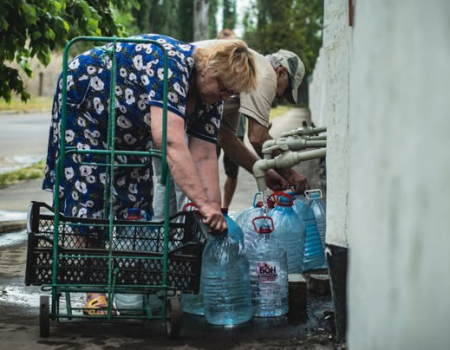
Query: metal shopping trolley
(167, 263)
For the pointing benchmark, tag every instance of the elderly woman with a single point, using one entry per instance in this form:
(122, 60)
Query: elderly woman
(199, 80)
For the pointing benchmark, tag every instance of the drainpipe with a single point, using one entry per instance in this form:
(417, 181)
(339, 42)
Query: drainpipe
(285, 160)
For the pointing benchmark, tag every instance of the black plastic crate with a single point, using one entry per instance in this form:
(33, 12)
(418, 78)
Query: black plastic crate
(135, 256)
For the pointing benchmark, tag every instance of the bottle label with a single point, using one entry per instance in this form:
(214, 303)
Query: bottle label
(268, 271)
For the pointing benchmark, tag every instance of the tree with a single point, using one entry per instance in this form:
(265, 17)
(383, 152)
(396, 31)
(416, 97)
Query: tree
(201, 15)
(229, 14)
(294, 25)
(212, 24)
(32, 28)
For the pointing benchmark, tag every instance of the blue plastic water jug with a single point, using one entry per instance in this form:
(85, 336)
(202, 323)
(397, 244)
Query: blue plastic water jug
(225, 282)
(193, 303)
(268, 272)
(234, 230)
(289, 230)
(317, 204)
(314, 255)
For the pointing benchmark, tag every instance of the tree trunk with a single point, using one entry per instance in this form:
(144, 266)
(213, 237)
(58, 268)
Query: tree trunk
(201, 10)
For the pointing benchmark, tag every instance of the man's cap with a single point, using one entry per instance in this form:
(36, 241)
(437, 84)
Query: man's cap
(296, 71)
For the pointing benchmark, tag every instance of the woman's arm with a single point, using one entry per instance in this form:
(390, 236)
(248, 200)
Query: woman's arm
(183, 168)
(204, 155)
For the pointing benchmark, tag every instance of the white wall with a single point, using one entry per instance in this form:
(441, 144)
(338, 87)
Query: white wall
(399, 203)
(329, 107)
(398, 169)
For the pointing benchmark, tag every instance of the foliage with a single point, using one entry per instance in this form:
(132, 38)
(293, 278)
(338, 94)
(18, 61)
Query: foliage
(294, 25)
(32, 28)
(229, 14)
(212, 23)
(172, 17)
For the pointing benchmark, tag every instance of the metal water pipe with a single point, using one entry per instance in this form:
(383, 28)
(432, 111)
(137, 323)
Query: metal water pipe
(290, 144)
(305, 131)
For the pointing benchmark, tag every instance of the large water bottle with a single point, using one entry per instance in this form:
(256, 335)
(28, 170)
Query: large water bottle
(289, 231)
(225, 282)
(244, 220)
(268, 272)
(193, 303)
(314, 255)
(317, 204)
(234, 230)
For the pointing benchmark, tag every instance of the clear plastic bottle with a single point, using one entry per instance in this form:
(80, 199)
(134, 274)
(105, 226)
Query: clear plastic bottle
(225, 282)
(244, 220)
(289, 231)
(317, 204)
(268, 272)
(234, 230)
(193, 303)
(314, 255)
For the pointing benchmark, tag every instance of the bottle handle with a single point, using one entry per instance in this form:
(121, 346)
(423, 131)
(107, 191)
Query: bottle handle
(309, 192)
(265, 218)
(190, 206)
(278, 194)
(255, 203)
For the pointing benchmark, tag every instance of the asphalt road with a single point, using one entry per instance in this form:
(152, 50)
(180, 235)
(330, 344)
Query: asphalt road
(23, 138)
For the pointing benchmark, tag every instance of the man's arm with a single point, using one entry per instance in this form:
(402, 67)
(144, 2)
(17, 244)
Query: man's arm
(258, 134)
(245, 158)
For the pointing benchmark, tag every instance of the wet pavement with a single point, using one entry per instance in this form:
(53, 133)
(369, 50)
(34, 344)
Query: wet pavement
(19, 304)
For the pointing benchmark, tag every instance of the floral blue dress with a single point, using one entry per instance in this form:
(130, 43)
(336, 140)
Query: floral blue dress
(139, 85)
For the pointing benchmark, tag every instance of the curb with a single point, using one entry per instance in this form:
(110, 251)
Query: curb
(13, 225)
(25, 111)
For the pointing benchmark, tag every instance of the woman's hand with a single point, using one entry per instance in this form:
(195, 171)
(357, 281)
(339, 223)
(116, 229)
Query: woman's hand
(214, 218)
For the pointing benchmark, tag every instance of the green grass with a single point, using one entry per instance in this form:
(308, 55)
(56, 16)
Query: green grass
(34, 171)
(34, 103)
(279, 111)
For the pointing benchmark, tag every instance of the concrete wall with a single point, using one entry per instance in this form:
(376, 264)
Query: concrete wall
(329, 107)
(398, 169)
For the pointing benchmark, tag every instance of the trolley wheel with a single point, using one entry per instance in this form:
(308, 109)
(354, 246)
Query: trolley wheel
(44, 316)
(173, 317)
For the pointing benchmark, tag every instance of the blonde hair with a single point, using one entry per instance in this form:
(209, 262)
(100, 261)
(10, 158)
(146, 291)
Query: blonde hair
(231, 62)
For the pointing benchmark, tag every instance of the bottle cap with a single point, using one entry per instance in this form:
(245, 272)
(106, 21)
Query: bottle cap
(134, 213)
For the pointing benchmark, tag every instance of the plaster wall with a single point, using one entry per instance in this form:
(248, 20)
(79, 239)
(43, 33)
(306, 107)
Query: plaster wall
(382, 88)
(399, 172)
(329, 94)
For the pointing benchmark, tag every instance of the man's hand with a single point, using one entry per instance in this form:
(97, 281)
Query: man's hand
(298, 181)
(274, 181)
